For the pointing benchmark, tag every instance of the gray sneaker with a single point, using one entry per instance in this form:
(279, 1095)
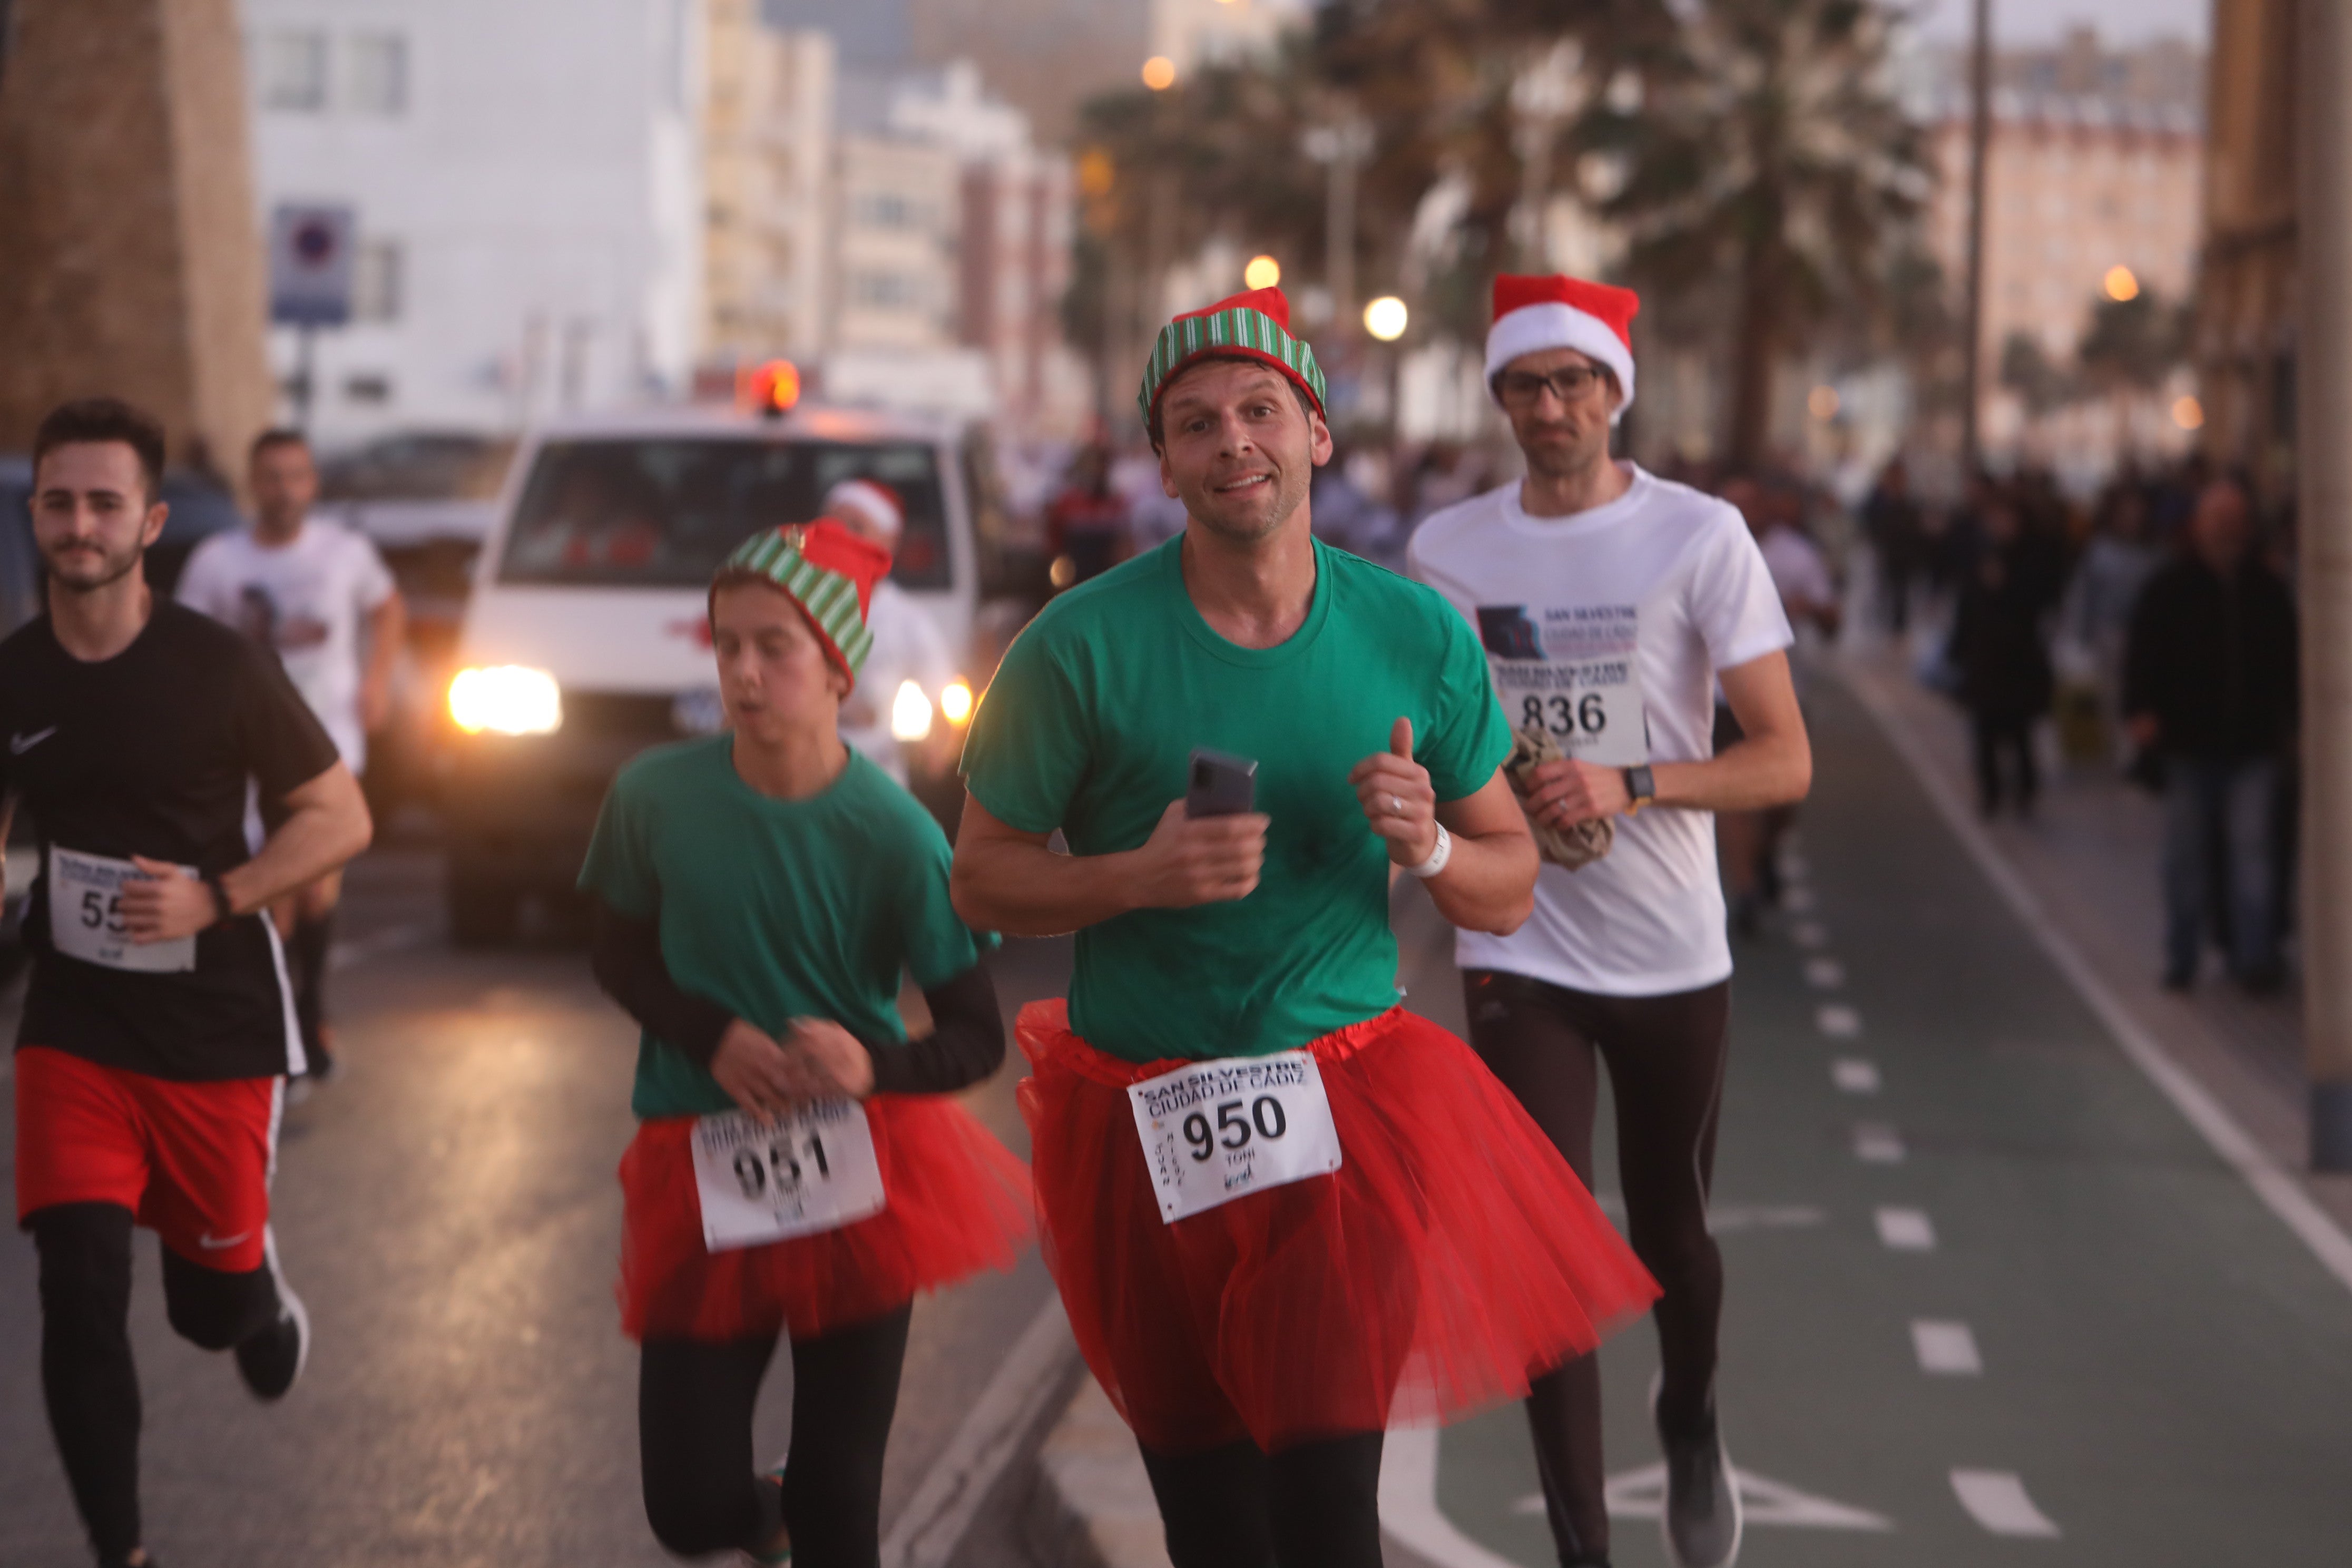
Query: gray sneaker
(1701, 1520)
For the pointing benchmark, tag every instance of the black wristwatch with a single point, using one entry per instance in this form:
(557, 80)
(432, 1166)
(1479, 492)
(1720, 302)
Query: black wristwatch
(1641, 787)
(222, 909)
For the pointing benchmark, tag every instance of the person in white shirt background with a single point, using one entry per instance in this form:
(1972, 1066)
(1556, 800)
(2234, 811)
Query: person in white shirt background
(908, 644)
(1751, 840)
(317, 594)
(1609, 603)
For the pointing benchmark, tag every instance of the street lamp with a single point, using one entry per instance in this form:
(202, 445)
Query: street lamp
(1159, 73)
(1262, 272)
(1386, 318)
(2121, 284)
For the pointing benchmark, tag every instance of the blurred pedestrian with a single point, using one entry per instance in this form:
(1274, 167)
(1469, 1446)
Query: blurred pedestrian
(1087, 523)
(2094, 617)
(908, 644)
(1890, 521)
(318, 595)
(1999, 650)
(1610, 603)
(2211, 685)
(1348, 516)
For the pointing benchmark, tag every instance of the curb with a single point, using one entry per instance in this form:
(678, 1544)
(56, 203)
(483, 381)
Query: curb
(1093, 1506)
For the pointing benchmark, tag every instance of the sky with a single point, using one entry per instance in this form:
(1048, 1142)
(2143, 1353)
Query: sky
(2043, 21)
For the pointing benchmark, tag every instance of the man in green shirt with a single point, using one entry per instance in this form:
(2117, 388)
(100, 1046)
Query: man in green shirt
(1383, 1227)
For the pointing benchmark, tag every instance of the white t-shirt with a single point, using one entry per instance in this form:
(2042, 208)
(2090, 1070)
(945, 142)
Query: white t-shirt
(304, 599)
(908, 646)
(1608, 628)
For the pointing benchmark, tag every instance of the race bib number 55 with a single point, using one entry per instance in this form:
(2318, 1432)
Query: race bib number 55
(811, 1172)
(86, 916)
(1218, 1130)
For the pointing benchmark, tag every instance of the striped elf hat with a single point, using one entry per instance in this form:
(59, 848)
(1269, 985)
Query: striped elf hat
(830, 573)
(1255, 325)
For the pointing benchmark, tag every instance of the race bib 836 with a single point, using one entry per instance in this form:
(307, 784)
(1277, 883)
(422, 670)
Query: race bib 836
(1573, 671)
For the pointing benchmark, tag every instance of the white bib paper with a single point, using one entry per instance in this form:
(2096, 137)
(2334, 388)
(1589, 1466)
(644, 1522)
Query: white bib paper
(1574, 671)
(807, 1173)
(86, 916)
(1218, 1130)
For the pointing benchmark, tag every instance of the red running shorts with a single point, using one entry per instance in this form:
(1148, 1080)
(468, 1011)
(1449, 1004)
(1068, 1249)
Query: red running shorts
(191, 1160)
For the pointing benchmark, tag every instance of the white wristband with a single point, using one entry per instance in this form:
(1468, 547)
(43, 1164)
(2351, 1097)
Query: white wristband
(1437, 857)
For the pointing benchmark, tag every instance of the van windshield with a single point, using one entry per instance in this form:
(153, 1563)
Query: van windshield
(663, 512)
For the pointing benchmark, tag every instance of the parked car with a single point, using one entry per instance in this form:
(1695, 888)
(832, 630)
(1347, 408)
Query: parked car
(586, 640)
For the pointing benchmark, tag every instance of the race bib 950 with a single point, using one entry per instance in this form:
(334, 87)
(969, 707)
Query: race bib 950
(1218, 1130)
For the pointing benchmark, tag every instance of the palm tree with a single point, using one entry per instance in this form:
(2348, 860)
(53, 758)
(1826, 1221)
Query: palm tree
(1764, 156)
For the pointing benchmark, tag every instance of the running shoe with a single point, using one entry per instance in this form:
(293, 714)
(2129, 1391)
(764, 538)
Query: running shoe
(272, 1360)
(1701, 1522)
(775, 1557)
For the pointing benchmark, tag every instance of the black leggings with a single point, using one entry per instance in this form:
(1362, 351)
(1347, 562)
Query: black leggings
(1996, 737)
(1665, 1056)
(703, 1489)
(1314, 1506)
(88, 1377)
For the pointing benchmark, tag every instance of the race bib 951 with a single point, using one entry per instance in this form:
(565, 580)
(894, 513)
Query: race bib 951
(800, 1174)
(1218, 1130)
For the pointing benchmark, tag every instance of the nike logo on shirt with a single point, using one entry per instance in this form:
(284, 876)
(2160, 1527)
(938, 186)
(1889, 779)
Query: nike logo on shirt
(209, 1244)
(19, 744)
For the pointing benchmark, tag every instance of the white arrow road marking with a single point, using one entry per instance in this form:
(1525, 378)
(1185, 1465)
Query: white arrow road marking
(1875, 1143)
(1838, 1021)
(1907, 1230)
(1408, 1503)
(1824, 973)
(1946, 1350)
(1996, 1500)
(1809, 933)
(1855, 1075)
(1642, 1494)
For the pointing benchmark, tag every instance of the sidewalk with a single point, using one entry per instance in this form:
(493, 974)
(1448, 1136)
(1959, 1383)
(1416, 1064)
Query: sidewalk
(2090, 856)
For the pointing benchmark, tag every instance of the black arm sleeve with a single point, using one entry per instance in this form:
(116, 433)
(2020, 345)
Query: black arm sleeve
(966, 1043)
(626, 958)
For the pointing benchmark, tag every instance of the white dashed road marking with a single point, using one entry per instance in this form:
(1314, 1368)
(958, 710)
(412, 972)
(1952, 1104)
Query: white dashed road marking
(1996, 1500)
(1797, 900)
(1642, 1494)
(1838, 1021)
(1809, 933)
(1946, 1350)
(1854, 1076)
(1875, 1143)
(1907, 1230)
(1824, 973)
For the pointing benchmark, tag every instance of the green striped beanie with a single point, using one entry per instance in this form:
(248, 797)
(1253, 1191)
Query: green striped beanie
(830, 573)
(1255, 325)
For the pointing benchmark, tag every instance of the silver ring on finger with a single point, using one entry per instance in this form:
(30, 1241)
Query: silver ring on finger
(1396, 805)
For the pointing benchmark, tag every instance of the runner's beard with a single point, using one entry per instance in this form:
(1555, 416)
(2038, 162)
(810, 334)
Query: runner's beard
(1289, 494)
(111, 569)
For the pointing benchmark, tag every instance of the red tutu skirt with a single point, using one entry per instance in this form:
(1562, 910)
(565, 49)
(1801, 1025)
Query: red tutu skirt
(958, 1203)
(1452, 1257)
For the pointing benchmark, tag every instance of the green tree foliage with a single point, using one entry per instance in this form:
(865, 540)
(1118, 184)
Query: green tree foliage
(2133, 345)
(1765, 155)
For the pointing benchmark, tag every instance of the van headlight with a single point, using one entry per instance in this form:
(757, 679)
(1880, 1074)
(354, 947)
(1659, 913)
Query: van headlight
(910, 713)
(955, 701)
(509, 698)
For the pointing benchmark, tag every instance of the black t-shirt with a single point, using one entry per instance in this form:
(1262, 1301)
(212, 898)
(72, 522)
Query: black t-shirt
(149, 753)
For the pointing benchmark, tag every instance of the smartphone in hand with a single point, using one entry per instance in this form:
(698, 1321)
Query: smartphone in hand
(1220, 786)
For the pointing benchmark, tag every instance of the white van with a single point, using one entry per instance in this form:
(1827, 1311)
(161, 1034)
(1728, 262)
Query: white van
(585, 640)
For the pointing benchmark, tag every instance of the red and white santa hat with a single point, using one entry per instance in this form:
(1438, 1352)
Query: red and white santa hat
(1532, 314)
(868, 501)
